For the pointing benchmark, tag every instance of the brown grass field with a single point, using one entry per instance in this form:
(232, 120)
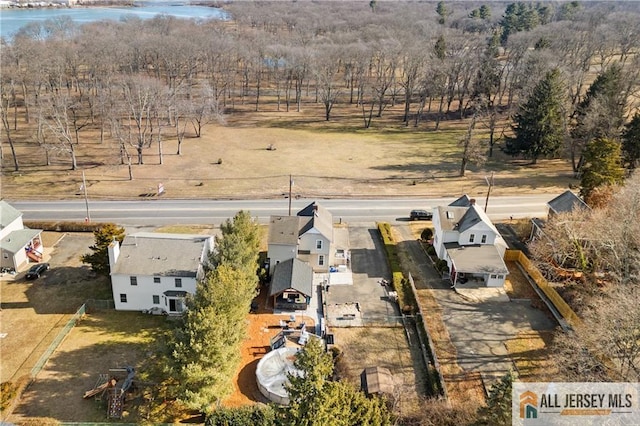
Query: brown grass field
(338, 158)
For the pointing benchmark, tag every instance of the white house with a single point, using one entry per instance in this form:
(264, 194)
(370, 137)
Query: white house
(466, 238)
(157, 270)
(18, 245)
(309, 236)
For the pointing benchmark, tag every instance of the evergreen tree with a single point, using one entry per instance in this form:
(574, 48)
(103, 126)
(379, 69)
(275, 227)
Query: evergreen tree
(631, 142)
(99, 259)
(539, 125)
(239, 244)
(601, 113)
(485, 12)
(602, 166)
(498, 409)
(442, 11)
(204, 350)
(518, 17)
(314, 400)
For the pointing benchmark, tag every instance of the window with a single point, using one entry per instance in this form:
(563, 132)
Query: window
(123, 298)
(321, 260)
(178, 282)
(493, 276)
(472, 237)
(156, 299)
(319, 244)
(134, 280)
(484, 239)
(156, 280)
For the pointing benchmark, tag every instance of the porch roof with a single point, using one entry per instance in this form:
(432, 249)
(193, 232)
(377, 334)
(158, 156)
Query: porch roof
(17, 240)
(292, 274)
(476, 259)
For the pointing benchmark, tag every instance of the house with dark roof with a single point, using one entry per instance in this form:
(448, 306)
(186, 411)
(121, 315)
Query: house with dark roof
(18, 245)
(467, 240)
(566, 202)
(291, 285)
(154, 270)
(307, 236)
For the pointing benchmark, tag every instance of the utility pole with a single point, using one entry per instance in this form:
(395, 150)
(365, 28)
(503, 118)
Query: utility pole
(86, 199)
(290, 185)
(490, 183)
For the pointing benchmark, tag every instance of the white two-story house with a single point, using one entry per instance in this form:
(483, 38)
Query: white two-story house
(300, 246)
(467, 240)
(153, 270)
(308, 236)
(18, 245)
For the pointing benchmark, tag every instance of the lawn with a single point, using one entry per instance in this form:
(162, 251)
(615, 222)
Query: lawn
(326, 159)
(102, 340)
(386, 347)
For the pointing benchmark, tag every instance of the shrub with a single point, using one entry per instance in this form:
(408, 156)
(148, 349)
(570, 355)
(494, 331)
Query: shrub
(431, 251)
(426, 234)
(242, 416)
(441, 265)
(65, 226)
(8, 391)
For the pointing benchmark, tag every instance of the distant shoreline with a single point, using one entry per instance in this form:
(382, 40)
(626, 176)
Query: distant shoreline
(63, 4)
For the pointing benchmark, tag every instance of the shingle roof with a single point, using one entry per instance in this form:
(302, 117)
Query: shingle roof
(284, 230)
(292, 273)
(450, 216)
(567, 202)
(174, 255)
(17, 240)
(472, 216)
(318, 218)
(287, 229)
(7, 214)
(481, 258)
(463, 201)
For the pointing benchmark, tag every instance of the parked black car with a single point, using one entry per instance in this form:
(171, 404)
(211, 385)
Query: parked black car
(420, 215)
(36, 270)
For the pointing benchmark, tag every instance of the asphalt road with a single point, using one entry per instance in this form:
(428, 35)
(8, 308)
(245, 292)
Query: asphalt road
(170, 211)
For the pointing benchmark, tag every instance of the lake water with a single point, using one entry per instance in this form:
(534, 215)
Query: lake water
(11, 20)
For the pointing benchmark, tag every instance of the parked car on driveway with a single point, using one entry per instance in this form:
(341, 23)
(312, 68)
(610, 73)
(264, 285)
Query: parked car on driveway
(420, 215)
(36, 270)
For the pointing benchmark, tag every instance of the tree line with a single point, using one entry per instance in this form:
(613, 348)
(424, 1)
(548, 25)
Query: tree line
(139, 83)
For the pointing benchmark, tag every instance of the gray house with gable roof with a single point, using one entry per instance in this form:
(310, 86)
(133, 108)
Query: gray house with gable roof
(473, 248)
(308, 236)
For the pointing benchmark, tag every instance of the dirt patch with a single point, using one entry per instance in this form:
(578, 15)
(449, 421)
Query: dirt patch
(516, 284)
(386, 347)
(530, 354)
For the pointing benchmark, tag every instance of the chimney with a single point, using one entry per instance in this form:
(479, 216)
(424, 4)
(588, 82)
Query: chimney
(114, 253)
(472, 202)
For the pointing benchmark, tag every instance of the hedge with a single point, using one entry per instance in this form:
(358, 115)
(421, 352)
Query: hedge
(64, 226)
(397, 277)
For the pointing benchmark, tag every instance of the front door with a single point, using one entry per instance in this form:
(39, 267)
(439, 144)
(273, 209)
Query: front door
(175, 305)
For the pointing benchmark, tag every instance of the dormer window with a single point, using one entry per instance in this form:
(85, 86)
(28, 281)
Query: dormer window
(472, 237)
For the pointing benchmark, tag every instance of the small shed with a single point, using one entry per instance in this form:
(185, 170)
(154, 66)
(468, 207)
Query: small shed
(376, 381)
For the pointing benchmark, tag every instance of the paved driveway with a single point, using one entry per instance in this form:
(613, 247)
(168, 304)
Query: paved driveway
(366, 299)
(478, 328)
